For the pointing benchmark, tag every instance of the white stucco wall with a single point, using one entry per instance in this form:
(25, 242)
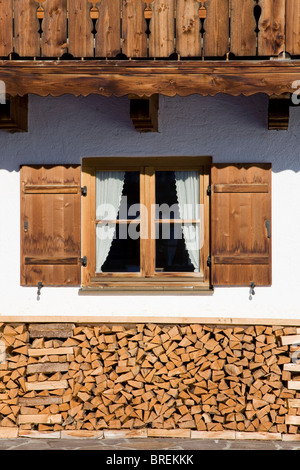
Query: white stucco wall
(65, 129)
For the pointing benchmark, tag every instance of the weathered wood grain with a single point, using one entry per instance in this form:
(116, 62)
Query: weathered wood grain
(81, 40)
(216, 36)
(239, 255)
(271, 36)
(242, 28)
(51, 330)
(161, 41)
(26, 28)
(54, 26)
(50, 236)
(6, 29)
(142, 78)
(188, 36)
(108, 37)
(134, 38)
(292, 27)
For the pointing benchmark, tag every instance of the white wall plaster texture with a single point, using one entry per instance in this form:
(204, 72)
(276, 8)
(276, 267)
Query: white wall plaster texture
(230, 129)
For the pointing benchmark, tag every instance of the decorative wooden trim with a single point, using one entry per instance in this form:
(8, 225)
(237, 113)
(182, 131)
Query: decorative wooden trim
(146, 78)
(279, 112)
(144, 113)
(14, 114)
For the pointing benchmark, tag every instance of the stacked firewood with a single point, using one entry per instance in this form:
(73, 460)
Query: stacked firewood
(94, 377)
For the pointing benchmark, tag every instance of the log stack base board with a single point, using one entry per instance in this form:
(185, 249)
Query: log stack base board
(63, 380)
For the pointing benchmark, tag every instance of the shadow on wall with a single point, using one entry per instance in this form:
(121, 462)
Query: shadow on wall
(230, 129)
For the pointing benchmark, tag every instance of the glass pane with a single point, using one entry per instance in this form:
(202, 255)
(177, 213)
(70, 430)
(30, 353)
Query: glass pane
(177, 247)
(177, 195)
(166, 196)
(129, 207)
(122, 251)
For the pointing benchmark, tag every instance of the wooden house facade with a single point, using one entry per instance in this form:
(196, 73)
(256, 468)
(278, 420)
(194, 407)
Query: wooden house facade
(149, 174)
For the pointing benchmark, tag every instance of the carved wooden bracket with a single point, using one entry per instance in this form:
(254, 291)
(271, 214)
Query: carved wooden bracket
(279, 112)
(14, 114)
(144, 113)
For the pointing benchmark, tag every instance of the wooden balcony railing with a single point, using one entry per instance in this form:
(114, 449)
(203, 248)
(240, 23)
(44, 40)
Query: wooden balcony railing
(206, 29)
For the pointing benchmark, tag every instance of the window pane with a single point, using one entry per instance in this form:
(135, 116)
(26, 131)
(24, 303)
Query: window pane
(117, 195)
(129, 207)
(177, 248)
(122, 254)
(166, 196)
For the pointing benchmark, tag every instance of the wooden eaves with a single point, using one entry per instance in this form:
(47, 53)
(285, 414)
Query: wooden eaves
(147, 77)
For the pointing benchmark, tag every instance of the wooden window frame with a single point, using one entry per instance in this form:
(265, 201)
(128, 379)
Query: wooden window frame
(147, 279)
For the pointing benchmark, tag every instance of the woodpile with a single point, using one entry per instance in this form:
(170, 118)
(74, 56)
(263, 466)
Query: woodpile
(147, 376)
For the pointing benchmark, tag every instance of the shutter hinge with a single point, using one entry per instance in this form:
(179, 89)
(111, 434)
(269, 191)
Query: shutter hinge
(209, 261)
(208, 192)
(83, 261)
(84, 191)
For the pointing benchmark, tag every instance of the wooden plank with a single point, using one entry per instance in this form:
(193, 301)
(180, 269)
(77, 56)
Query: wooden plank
(33, 434)
(49, 351)
(292, 368)
(8, 432)
(54, 26)
(290, 437)
(26, 28)
(292, 27)
(37, 401)
(48, 367)
(81, 40)
(134, 77)
(290, 339)
(271, 36)
(188, 25)
(81, 434)
(47, 385)
(294, 385)
(6, 27)
(51, 330)
(216, 36)
(134, 38)
(258, 436)
(51, 189)
(125, 433)
(242, 28)
(293, 403)
(240, 188)
(246, 260)
(51, 261)
(230, 435)
(295, 420)
(183, 433)
(161, 40)
(108, 37)
(40, 419)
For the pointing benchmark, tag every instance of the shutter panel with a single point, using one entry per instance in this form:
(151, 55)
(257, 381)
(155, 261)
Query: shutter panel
(50, 225)
(241, 224)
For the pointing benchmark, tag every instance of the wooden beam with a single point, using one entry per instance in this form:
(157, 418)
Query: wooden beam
(14, 114)
(279, 112)
(144, 113)
(147, 78)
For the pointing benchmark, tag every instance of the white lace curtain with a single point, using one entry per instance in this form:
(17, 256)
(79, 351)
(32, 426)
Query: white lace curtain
(109, 188)
(188, 191)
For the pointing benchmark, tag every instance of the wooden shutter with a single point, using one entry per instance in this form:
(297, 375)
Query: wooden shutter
(241, 224)
(50, 225)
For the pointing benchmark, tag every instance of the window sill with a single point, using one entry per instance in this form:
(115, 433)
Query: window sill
(151, 290)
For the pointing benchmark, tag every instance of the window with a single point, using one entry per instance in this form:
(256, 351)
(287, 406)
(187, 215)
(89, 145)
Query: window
(146, 226)
(138, 224)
